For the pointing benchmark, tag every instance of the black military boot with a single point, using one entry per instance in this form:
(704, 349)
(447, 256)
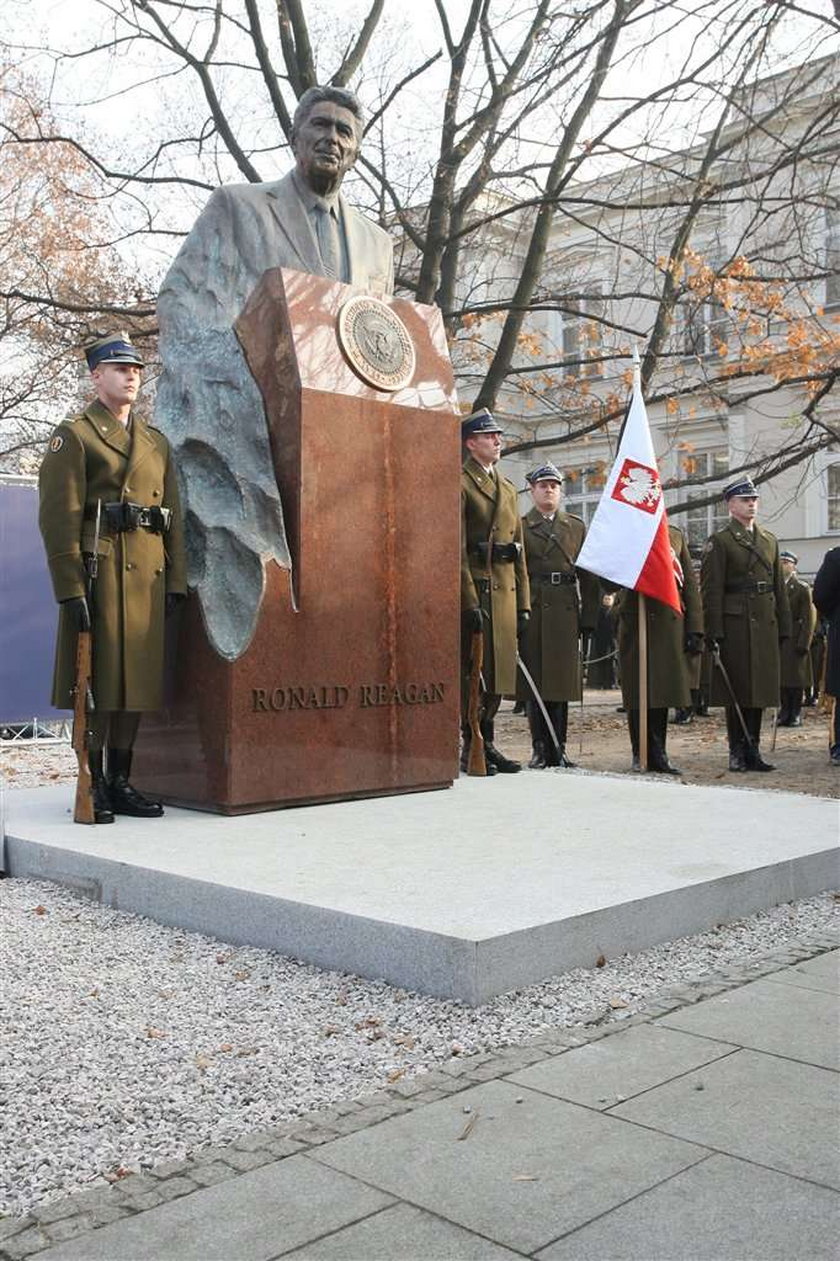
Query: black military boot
(492, 756)
(683, 716)
(699, 703)
(784, 715)
(558, 712)
(737, 743)
(633, 728)
(536, 726)
(657, 735)
(755, 762)
(796, 698)
(102, 811)
(124, 798)
(466, 745)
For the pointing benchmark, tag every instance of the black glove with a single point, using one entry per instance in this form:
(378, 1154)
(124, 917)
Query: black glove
(77, 612)
(473, 621)
(173, 600)
(694, 643)
(523, 617)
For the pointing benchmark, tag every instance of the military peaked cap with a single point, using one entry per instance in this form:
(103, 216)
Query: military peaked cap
(745, 488)
(115, 348)
(480, 422)
(789, 556)
(545, 473)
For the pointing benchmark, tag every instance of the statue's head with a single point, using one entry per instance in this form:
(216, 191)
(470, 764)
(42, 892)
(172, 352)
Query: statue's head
(326, 136)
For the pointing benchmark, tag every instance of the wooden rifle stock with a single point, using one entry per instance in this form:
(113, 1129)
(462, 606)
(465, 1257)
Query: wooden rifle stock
(476, 764)
(82, 703)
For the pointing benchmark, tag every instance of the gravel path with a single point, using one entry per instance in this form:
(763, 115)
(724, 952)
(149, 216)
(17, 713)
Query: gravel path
(125, 1043)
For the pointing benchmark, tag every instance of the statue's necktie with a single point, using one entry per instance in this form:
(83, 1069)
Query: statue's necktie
(328, 242)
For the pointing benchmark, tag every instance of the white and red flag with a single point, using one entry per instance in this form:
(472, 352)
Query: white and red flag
(627, 540)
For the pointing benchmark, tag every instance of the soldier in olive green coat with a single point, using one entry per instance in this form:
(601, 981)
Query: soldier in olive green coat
(796, 658)
(109, 456)
(673, 641)
(747, 614)
(564, 604)
(494, 580)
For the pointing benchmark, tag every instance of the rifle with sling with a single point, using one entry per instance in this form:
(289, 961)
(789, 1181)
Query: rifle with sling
(476, 764)
(83, 702)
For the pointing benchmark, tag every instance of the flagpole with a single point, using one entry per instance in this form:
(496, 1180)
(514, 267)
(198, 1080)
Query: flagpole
(643, 682)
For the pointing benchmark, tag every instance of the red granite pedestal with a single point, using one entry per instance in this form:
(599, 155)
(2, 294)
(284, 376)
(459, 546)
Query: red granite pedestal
(349, 687)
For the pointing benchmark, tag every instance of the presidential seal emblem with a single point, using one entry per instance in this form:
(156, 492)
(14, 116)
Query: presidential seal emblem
(376, 343)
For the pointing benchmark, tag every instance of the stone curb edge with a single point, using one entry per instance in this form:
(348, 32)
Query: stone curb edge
(86, 1211)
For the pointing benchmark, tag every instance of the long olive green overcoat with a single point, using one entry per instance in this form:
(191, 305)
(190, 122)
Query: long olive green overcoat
(796, 651)
(559, 609)
(669, 679)
(95, 457)
(490, 514)
(749, 622)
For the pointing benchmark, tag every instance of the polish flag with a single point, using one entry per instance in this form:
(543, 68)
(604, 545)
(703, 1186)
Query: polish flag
(627, 541)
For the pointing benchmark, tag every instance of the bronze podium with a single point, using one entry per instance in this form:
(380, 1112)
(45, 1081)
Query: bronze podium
(350, 685)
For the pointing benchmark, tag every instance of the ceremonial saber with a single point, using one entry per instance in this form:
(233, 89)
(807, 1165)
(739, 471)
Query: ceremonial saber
(719, 663)
(532, 685)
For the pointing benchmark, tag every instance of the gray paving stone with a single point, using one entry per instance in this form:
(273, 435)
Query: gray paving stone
(780, 1019)
(245, 1161)
(209, 1175)
(405, 1233)
(13, 1226)
(525, 1173)
(598, 1074)
(773, 1111)
(70, 1227)
(822, 973)
(23, 1245)
(252, 1218)
(719, 1210)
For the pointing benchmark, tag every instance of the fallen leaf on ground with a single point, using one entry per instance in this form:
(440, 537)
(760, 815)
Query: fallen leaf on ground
(526, 1177)
(203, 1062)
(155, 1033)
(469, 1127)
(395, 1074)
(116, 1174)
(600, 962)
(616, 1003)
(40, 910)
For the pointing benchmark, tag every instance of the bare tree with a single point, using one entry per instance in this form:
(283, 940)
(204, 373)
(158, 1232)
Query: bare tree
(492, 140)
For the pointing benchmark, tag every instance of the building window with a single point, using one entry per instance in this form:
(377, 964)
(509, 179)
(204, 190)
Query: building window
(832, 475)
(700, 328)
(582, 342)
(583, 489)
(702, 521)
(832, 258)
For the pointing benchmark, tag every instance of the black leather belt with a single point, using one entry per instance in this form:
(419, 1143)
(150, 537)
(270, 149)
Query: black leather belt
(559, 578)
(122, 517)
(501, 552)
(749, 588)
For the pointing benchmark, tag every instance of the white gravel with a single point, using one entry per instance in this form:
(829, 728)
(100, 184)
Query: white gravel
(125, 1043)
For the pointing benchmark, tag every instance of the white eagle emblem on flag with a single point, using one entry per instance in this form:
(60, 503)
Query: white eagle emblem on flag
(638, 486)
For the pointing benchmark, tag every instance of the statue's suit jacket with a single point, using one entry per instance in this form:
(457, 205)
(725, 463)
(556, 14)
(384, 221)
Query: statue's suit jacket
(208, 403)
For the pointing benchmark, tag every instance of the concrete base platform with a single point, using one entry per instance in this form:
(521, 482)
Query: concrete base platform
(467, 893)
